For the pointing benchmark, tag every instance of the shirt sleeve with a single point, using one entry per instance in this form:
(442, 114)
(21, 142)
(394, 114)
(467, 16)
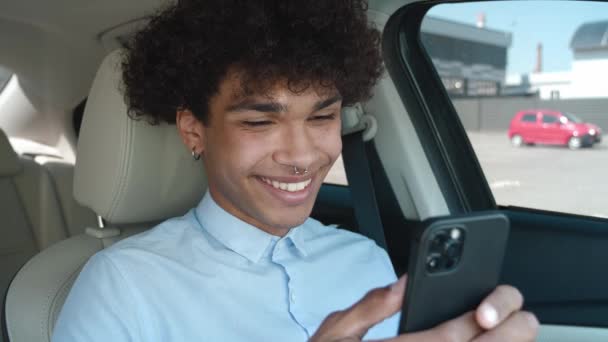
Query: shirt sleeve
(99, 306)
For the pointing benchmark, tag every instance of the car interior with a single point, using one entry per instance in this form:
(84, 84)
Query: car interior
(58, 209)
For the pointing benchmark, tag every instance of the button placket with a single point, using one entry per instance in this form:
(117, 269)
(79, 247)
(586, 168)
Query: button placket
(292, 296)
(283, 255)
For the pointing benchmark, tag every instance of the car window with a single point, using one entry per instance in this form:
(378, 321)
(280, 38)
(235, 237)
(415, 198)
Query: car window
(548, 118)
(337, 174)
(494, 61)
(529, 118)
(5, 76)
(572, 118)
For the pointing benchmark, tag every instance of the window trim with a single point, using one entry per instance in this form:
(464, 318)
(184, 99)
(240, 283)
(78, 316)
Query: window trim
(5, 83)
(443, 137)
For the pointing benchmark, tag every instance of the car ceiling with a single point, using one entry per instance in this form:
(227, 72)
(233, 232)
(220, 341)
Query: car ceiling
(55, 46)
(75, 17)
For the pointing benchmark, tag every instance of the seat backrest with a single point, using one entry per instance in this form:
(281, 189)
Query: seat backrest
(76, 216)
(128, 172)
(29, 211)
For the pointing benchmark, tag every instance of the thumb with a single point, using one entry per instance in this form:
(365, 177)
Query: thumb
(377, 305)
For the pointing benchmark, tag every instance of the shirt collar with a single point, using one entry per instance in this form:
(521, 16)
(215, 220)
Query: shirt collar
(295, 235)
(237, 235)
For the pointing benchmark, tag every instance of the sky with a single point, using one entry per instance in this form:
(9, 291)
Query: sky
(551, 23)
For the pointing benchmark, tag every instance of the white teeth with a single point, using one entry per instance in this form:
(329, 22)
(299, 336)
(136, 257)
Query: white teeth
(291, 187)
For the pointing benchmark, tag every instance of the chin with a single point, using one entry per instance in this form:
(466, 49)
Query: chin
(287, 221)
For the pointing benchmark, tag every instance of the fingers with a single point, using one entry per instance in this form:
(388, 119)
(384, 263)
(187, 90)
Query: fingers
(522, 326)
(499, 305)
(461, 329)
(354, 322)
(498, 318)
(376, 306)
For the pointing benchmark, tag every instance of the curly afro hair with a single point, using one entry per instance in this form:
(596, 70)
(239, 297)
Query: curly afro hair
(178, 60)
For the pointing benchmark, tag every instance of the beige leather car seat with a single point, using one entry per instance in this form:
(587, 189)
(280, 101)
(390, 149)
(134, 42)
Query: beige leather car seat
(76, 216)
(128, 172)
(30, 214)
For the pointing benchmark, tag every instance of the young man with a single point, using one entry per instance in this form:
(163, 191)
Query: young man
(255, 89)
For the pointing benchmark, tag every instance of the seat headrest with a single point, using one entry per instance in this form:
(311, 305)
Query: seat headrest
(9, 160)
(129, 171)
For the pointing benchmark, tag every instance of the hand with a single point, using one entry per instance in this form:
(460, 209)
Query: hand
(498, 318)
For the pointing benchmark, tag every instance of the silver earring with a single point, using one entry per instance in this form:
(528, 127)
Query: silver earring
(195, 156)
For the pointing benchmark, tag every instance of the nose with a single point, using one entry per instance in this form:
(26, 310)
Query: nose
(296, 148)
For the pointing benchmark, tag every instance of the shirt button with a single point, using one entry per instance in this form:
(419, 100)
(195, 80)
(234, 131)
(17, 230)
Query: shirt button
(293, 297)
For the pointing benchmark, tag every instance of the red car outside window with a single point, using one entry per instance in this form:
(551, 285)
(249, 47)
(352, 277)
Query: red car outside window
(543, 126)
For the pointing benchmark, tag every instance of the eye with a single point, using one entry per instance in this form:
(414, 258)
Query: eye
(327, 117)
(258, 123)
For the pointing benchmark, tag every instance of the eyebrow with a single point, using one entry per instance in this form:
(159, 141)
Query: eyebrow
(327, 102)
(276, 107)
(264, 107)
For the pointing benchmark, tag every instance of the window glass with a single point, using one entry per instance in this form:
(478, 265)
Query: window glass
(550, 119)
(337, 175)
(5, 76)
(572, 118)
(495, 61)
(529, 118)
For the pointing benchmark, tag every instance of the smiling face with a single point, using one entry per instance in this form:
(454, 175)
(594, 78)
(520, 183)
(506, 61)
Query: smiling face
(256, 149)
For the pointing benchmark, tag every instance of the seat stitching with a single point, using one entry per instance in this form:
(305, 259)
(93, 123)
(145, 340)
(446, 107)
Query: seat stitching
(123, 172)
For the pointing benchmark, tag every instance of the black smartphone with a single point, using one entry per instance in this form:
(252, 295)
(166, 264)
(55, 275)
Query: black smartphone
(454, 263)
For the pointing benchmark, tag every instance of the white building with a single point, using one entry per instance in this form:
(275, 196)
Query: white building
(588, 77)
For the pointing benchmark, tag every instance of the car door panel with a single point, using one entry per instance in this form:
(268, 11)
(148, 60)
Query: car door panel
(557, 333)
(563, 277)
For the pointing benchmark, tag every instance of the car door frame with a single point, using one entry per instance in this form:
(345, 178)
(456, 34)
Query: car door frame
(566, 261)
(551, 132)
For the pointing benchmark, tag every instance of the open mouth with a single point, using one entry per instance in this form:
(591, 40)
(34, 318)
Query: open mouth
(289, 187)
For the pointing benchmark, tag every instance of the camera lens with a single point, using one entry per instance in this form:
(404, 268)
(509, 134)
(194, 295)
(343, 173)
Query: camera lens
(438, 241)
(434, 262)
(452, 249)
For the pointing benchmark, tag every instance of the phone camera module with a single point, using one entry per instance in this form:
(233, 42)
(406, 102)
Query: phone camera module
(445, 250)
(434, 262)
(453, 249)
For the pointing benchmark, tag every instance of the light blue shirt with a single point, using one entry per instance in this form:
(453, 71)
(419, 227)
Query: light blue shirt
(208, 276)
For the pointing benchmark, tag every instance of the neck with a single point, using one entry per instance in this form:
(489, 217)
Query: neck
(234, 211)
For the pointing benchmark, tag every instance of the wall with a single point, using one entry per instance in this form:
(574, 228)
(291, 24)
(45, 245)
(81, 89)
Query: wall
(494, 114)
(589, 73)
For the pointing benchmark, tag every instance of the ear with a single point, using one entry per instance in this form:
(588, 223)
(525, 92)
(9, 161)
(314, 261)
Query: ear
(191, 130)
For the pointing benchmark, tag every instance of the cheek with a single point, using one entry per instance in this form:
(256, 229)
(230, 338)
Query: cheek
(247, 149)
(330, 142)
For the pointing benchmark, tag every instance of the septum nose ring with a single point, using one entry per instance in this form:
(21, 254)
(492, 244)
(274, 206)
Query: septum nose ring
(298, 172)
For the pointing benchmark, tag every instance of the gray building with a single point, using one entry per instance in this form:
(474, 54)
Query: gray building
(470, 60)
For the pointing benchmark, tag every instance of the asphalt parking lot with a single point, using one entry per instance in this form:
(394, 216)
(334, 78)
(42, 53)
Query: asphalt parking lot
(545, 177)
(541, 177)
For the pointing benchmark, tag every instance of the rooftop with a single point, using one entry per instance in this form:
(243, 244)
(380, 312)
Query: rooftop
(591, 36)
(459, 30)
